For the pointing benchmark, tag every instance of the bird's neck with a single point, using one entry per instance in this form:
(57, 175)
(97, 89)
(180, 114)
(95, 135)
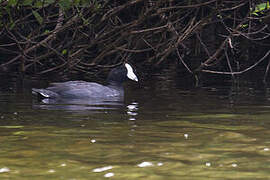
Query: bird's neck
(115, 85)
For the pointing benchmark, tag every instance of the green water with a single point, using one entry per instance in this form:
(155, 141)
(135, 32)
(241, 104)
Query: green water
(158, 132)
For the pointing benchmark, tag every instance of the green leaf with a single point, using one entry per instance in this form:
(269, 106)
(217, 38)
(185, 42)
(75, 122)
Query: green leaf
(47, 31)
(44, 3)
(37, 16)
(87, 3)
(49, 1)
(12, 2)
(256, 14)
(64, 4)
(64, 51)
(244, 25)
(259, 8)
(76, 2)
(27, 2)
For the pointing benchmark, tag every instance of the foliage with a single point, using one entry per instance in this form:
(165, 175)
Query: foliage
(260, 8)
(77, 35)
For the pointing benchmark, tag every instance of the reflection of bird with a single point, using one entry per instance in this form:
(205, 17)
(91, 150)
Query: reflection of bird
(90, 90)
(109, 103)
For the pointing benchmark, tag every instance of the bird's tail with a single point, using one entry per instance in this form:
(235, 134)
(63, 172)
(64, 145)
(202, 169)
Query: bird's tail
(43, 93)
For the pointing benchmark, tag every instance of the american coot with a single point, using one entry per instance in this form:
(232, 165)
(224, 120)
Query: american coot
(86, 90)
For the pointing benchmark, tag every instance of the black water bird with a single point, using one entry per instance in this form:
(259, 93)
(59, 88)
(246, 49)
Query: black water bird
(90, 90)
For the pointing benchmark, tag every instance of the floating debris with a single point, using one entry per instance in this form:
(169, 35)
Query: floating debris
(208, 164)
(186, 136)
(234, 165)
(109, 175)
(160, 164)
(102, 169)
(93, 141)
(145, 164)
(4, 169)
(51, 171)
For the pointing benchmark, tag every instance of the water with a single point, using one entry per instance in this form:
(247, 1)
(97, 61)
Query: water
(160, 131)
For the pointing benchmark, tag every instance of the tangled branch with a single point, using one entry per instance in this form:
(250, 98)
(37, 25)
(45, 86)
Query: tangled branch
(53, 39)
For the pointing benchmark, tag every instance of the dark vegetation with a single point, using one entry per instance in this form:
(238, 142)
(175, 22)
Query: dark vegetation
(80, 36)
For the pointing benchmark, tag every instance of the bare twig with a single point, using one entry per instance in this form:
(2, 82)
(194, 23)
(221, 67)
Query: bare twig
(239, 72)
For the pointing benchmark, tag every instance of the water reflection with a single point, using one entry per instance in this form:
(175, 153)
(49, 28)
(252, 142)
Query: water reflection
(84, 106)
(132, 110)
(79, 104)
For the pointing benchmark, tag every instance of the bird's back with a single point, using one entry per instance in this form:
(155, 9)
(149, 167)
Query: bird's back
(79, 89)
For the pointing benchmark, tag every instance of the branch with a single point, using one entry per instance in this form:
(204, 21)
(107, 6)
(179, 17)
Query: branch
(239, 72)
(43, 42)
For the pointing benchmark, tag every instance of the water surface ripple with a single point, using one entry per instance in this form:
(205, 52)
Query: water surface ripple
(158, 132)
